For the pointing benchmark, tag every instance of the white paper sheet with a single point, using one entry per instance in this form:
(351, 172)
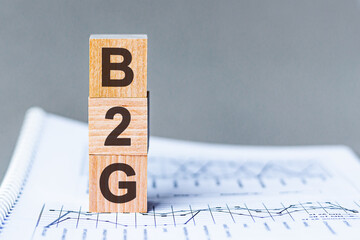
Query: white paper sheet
(195, 191)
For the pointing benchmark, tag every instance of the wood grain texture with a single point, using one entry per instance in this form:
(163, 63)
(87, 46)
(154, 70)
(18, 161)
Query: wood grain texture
(100, 128)
(138, 50)
(97, 202)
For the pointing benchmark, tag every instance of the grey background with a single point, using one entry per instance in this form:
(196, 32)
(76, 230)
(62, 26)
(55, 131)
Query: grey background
(242, 72)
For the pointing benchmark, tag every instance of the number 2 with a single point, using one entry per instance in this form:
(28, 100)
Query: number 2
(112, 139)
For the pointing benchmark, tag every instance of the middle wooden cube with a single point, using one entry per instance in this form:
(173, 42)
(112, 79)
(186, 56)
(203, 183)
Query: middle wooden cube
(118, 126)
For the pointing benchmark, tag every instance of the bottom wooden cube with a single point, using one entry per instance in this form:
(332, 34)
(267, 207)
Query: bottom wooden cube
(118, 183)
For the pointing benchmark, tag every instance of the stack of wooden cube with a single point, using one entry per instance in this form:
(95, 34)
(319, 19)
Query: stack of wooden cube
(118, 123)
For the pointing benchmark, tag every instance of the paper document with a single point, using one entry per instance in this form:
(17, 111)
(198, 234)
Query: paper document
(195, 190)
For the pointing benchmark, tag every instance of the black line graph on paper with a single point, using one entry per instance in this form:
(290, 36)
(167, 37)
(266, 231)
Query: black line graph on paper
(53, 217)
(161, 168)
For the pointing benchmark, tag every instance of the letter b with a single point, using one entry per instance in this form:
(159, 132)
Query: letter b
(107, 66)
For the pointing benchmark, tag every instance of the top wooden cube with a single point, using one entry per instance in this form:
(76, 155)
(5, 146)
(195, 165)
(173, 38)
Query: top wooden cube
(118, 66)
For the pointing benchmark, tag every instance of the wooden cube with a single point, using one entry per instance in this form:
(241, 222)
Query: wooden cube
(118, 66)
(118, 126)
(117, 183)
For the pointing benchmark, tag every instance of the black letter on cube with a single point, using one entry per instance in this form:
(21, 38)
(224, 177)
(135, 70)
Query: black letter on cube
(123, 66)
(130, 186)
